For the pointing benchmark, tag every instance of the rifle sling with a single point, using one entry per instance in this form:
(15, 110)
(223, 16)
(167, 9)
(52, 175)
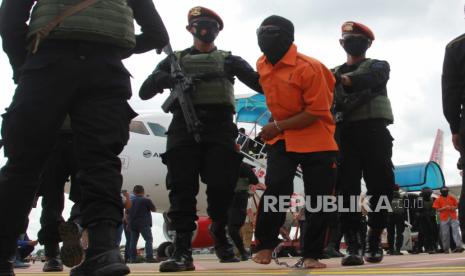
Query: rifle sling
(45, 31)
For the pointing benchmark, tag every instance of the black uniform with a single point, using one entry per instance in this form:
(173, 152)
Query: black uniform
(85, 80)
(365, 146)
(428, 231)
(238, 208)
(214, 158)
(453, 92)
(396, 224)
(366, 150)
(61, 167)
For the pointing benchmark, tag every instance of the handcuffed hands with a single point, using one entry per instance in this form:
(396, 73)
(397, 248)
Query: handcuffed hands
(269, 131)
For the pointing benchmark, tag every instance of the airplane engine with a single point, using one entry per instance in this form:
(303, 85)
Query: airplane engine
(201, 237)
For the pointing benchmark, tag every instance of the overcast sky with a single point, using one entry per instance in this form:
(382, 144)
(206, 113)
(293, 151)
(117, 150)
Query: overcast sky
(410, 34)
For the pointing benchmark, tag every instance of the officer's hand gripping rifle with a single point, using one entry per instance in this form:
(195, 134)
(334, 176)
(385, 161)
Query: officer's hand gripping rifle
(182, 87)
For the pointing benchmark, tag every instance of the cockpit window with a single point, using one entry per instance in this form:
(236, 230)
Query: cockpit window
(157, 129)
(138, 127)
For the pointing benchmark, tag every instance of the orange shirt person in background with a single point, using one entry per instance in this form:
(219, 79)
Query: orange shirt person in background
(447, 205)
(299, 94)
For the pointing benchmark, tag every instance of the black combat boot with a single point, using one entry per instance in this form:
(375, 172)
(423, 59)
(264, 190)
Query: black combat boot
(72, 252)
(237, 240)
(245, 255)
(354, 249)
(52, 262)
(7, 253)
(224, 250)
(373, 250)
(102, 257)
(181, 260)
(390, 251)
(332, 252)
(6, 268)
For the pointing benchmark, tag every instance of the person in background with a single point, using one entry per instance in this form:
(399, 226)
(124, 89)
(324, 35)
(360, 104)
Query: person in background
(426, 221)
(140, 223)
(126, 229)
(446, 205)
(24, 249)
(332, 250)
(248, 228)
(127, 203)
(242, 138)
(396, 223)
(61, 167)
(238, 208)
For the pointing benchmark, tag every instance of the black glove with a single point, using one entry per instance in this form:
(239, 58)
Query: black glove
(155, 84)
(162, 79)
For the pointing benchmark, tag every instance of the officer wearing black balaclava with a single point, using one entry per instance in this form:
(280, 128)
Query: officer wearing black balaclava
(446, 205)
(427, 226)
(214, 159)
(363, 111)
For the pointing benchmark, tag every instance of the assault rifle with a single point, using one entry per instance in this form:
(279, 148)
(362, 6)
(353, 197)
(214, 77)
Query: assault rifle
(181, 90)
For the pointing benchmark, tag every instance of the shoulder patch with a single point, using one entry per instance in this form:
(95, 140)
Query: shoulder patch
(379, 64)
(225, 53)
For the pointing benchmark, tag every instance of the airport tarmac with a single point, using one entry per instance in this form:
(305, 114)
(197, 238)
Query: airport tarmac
(417, 265)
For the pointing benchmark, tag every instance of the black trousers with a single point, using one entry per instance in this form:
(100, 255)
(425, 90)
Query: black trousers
(428, 230)
(336, 232)
(88, 82)
(319, 176)
(365, 151)
(24, 251)
(60, 166)
(395, 231)
(237, 215)
(461, 207)
(214, 159)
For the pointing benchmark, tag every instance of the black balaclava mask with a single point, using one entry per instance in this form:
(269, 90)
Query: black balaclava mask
(444, 192)
(356, 45)
(206, 30)
(426, 193)
(275, 35)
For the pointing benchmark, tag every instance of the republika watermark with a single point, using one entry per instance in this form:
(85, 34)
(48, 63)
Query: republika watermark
(329, 204)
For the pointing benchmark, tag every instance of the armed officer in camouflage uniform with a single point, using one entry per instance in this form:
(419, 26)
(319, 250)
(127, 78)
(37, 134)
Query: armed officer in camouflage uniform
(453, 99)
(363, 112)
(214, 158)
(74, 67)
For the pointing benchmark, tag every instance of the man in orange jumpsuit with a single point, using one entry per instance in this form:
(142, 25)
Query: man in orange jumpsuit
(446, 205)
(299, 94)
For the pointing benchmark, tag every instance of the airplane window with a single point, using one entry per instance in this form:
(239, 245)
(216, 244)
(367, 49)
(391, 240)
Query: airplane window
(157, 129)
(138, 127)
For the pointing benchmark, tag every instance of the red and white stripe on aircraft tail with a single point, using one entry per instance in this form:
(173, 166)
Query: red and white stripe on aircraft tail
(437, 154)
